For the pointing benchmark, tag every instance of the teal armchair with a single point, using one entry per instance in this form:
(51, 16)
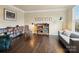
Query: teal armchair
(5, 42)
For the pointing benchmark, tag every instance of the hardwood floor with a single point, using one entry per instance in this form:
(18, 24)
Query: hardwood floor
(37, 44)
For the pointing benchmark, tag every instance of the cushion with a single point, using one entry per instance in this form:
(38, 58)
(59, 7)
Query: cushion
(66, 33)
(74, 35)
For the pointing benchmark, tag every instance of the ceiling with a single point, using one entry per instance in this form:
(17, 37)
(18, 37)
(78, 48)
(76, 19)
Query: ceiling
(41, 7)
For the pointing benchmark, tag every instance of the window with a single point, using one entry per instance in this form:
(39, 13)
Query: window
(76, 18)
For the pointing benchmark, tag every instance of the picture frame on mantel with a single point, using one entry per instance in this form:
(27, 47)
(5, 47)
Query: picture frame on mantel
(9, 15)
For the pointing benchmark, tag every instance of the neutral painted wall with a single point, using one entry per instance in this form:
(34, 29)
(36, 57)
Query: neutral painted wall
(27, 19)
(54, 25)
(69, 22)
(19, 17)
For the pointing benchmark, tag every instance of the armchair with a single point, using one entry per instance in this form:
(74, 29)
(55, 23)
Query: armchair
(5, 42)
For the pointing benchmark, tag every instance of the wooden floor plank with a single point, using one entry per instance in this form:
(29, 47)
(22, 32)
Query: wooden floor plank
(38, 44)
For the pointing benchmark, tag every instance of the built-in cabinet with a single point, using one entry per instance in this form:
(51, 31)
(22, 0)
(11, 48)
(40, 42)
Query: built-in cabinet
(42, 28)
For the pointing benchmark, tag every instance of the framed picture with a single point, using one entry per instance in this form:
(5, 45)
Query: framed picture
(9, 15)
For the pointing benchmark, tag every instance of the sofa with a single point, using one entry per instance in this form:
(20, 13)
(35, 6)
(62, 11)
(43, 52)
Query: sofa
(14, 32)
(9, 35)
(70, 40)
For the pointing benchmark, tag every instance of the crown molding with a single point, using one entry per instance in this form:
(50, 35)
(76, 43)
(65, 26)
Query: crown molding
(16, 8)
(38, 11)
(48, 10)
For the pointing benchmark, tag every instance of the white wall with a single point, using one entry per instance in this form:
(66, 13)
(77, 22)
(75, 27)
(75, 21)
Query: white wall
(70, 22)
(19, 17)
(27, 19)
(69, 19)
(54, 26)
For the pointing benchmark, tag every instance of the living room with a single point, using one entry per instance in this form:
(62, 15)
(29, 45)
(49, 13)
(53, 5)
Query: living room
(38, 27)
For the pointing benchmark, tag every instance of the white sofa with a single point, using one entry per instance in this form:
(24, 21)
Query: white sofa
(70, 40)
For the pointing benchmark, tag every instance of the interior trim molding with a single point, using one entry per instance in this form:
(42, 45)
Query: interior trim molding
(16, 8)
(38, 11)
(48, 10)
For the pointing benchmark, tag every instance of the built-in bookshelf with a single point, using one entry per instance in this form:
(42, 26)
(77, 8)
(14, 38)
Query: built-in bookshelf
(42, 28)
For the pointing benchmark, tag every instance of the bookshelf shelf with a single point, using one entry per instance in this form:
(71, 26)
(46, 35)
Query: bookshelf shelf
(42, 28)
